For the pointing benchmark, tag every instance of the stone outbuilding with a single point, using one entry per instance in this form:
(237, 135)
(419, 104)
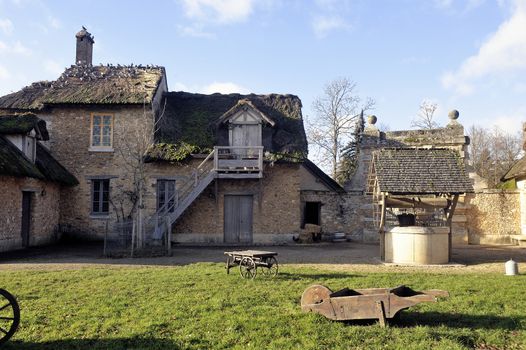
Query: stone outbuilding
(30, 184)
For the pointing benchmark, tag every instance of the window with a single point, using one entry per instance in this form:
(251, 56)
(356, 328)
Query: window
(101, 131)
(166, 195)
(100, 196)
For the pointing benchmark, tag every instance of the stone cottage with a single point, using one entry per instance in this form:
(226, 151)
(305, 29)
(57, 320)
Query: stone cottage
(219, 168)
(31, 181)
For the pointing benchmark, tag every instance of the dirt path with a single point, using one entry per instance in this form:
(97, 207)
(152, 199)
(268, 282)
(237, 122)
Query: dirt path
(325, 256)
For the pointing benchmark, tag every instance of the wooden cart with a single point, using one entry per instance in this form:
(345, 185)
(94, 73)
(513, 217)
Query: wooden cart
(358, 304)
(250, 261)
(9, 315)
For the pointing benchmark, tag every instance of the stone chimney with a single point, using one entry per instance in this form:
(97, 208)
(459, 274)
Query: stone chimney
(84, 47)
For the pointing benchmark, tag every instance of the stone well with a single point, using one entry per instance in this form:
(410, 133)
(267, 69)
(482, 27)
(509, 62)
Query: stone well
(417, 245)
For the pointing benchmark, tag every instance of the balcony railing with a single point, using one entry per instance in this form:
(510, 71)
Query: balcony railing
(238, 159)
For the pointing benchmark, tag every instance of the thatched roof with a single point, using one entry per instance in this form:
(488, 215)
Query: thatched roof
(14, 163)
(23, 124)
(420, 171)
(517, 170)
(52, 169)
(83, 84)
(194, 119)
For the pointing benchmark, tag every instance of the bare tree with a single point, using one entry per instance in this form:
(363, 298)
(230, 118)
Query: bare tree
(425, 116)
(493, 152)
(337, 111)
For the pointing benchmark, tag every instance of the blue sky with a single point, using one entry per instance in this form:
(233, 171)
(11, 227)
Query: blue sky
(469, 55)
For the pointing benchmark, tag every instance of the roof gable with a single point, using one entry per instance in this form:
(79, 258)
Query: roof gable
(244, 112)
(517, 170)
(420, 171)
(14, 163)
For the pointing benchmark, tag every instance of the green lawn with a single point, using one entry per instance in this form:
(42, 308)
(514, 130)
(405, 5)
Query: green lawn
(200, 307)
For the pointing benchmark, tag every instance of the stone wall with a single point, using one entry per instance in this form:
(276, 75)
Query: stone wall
(44, 212)
(276, 208)
(493, 216)
(69, 129)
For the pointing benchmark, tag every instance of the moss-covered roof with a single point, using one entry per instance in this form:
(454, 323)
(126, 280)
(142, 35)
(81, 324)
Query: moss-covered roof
(14, 163)
(194, 120)
(420, 171)
(22, 124)
(82, 84)
(52, 169)
(518, 170)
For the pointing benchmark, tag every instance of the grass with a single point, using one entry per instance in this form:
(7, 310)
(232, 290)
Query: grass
(198, 306)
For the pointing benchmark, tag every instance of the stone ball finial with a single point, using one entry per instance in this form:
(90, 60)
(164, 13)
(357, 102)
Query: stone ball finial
(453, 115)
(372, 119)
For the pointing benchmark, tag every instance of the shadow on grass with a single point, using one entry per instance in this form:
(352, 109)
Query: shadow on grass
(458, 320)
(301, 276)
(106, 344)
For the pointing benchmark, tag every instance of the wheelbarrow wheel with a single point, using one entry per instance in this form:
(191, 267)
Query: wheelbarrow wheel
(247, 268)
(315, 294)
(9, 315)
(271, 269)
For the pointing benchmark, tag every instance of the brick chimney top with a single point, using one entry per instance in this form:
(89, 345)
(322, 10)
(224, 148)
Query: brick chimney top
(85, 43)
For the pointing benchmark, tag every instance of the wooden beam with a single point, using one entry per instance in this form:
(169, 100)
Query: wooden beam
(426, 203)
(450, 213)
(381, 229)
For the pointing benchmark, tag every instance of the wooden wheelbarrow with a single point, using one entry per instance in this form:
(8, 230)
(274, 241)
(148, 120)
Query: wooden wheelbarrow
(360, 304)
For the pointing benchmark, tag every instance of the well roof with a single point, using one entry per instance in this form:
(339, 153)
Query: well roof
(517, 170)
(22, 124)
(193, 119)
(86, 84)
(420, 171)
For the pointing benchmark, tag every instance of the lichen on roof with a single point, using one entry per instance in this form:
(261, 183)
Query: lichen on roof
(86, 84)
(22, 124)
(52, 169)
(193, 119)
(14, 163)
(420, 171)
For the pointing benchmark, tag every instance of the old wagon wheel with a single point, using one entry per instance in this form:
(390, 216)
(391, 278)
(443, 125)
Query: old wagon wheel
(9, 315)
(247, 268)
(271, 269)
(315, 294)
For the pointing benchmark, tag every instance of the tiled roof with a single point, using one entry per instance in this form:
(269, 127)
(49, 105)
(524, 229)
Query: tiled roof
(420, 171)
(90, 85)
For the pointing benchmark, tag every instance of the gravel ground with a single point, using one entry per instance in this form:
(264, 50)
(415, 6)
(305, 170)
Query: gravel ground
(347, 256)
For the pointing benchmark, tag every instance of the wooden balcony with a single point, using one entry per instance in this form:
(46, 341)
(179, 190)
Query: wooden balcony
(238, 162)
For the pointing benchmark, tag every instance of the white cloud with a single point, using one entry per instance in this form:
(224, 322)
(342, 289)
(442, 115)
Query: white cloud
(322, 25)
(503, 52)
(6, 26)
(195, 31)
(223, 88)
(53, 67)
(221, 11)
(54, 22)
(17, 48)
(4, 74)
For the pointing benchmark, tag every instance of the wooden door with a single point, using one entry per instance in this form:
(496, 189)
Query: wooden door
(26, 217)
(238, 219)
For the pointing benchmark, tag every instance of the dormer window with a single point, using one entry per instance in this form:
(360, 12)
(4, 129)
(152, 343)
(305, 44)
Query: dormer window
(101, 132)
(29, 146)
(245, 124)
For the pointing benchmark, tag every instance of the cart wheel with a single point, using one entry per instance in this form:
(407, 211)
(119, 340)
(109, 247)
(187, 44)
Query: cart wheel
(9, 315)
(315, 295)
(272, 269)
(247, 268)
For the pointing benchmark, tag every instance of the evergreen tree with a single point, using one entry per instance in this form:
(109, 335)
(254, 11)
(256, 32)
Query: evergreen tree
(349, 153)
